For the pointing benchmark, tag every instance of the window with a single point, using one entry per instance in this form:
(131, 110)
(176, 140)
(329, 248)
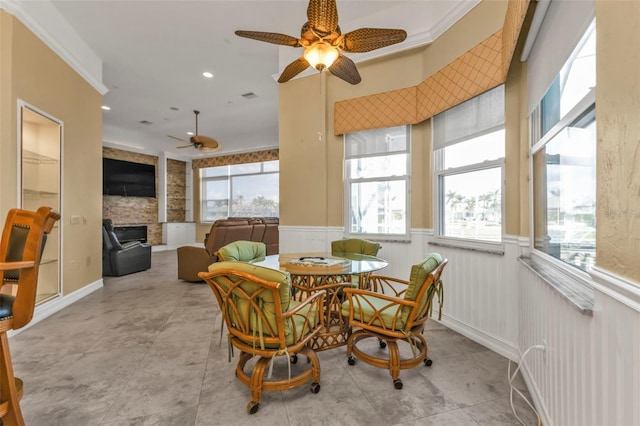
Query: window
(564, 161)
(240, 190)
(377, 182)
(469, 150)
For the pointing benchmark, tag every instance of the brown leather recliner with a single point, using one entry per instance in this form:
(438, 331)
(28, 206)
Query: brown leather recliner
(192, 260)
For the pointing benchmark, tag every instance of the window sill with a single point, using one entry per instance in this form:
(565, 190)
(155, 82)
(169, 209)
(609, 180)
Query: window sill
(576, 291)
(381, 239)
(496, 249)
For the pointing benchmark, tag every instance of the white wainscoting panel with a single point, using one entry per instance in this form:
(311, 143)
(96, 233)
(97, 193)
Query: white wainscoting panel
(481, 295)
(590, 372)
(480, 289)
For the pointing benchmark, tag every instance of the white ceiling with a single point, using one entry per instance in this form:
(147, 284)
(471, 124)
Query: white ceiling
(153, 54)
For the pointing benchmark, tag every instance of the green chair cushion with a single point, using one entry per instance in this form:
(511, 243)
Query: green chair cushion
(370, 305)
(294, 328)
(242, 251)
(419, 273)
(355, 245)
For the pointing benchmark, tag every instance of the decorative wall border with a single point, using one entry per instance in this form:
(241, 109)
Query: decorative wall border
(225, 160)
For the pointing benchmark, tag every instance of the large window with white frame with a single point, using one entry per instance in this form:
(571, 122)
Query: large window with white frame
(469, 146)
(563, 152)
(377, 183)
(240, 190)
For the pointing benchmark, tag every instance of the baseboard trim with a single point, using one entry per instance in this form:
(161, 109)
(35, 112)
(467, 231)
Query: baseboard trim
(496, 344)
(56, 305)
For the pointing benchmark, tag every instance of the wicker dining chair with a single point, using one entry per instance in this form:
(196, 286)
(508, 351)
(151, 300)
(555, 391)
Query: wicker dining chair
(348, 246)
(262, 320)
(354, 245)
(21, 248)
(393, 311)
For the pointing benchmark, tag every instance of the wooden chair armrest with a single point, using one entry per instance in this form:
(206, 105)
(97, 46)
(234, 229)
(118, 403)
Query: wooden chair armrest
(305, 302)
(313, 317)
(355, 292)
(382, 285)
(22, 264)
(359, 304)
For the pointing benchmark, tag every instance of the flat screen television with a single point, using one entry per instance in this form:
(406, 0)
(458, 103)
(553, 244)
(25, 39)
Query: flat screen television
(128, 179)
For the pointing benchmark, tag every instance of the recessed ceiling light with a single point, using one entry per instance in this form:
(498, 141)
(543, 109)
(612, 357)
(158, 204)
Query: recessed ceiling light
(106, 108)
(207, 74)
(190, 133)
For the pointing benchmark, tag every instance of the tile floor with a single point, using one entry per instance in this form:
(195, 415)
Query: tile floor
(144, 350)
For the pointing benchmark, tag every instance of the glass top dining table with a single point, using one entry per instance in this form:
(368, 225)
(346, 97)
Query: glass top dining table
(322, 263)
(312, 272)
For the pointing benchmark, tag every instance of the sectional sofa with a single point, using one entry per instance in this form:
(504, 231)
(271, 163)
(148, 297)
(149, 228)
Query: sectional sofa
(192, 260)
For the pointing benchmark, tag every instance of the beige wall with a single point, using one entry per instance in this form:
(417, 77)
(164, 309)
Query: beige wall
(30, 71)
(618, 133)
(311, 170)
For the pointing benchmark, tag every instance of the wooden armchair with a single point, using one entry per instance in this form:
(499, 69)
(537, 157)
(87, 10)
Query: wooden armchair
(394, 310)
(20, 251)
(263, 320)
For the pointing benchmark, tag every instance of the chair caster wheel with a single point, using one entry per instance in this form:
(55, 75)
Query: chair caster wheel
(428, 362)
(382, 344)
(294, 359)
(252, 407)
(397, 383)
(315, 387)
(351, 361)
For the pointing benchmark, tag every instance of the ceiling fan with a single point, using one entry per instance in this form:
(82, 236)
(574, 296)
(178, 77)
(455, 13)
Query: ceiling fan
(324, 43)
(198, 141)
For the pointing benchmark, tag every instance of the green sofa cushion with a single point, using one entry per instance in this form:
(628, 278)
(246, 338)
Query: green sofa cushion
(242, 251)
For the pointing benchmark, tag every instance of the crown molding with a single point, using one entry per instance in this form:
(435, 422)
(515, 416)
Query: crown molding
(55, 32)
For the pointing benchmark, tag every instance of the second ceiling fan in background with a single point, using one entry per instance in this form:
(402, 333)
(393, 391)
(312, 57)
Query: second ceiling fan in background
(324, 42)
(199, 142)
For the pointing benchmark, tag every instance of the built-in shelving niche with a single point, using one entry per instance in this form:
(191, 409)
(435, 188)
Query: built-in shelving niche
(40, 146)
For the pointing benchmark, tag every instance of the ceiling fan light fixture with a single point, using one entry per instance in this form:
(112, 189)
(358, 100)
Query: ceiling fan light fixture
(321, 55)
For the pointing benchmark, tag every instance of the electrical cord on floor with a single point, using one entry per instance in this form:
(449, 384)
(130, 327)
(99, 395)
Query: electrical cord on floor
(512, 387)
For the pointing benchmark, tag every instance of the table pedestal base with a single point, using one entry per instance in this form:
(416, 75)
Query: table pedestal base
(336, 329)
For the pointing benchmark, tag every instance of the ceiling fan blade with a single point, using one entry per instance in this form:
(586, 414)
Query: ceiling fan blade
(176, 138)
(274, 38)
(345, 69)
(204, 141)
(184, 146)
(293, 69)
(368, 39)
(323, 15)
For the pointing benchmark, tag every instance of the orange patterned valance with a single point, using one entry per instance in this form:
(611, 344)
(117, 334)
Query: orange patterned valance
(225, 160)
(375, 111)
(481, 68)
(477, 71)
